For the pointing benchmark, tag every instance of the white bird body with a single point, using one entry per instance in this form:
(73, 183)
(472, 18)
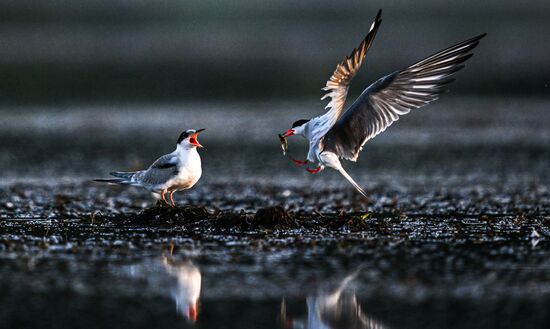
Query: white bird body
(189, 170)
(340, 134)
(179, 170)
(314, 131)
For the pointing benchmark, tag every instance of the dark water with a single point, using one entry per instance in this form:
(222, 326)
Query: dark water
(75, 274)
(456, 236)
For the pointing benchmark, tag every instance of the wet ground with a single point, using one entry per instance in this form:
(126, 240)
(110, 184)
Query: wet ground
(456, 236)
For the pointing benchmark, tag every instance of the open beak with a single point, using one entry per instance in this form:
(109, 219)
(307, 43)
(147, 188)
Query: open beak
(193, 138)
(288, 133)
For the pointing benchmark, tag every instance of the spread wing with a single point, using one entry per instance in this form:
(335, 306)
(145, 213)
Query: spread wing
(338, 84)
(396, 94)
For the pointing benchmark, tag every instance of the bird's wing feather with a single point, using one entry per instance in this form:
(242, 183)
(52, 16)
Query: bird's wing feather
(165, 161)
(158, 176)
(161, 171)
(338, 84)
(396, 94)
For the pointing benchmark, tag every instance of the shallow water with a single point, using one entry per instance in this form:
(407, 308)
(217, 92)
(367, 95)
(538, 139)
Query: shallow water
(72, 274)
(456, 236)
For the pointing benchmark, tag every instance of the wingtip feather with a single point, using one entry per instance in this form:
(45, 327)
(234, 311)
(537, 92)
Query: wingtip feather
(377, 20)
(481, 36)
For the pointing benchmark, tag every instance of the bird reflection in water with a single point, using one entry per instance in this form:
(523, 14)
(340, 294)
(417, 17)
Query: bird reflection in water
(187, 293)
(332, 309)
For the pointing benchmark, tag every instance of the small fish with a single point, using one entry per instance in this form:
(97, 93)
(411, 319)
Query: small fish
(284, 143)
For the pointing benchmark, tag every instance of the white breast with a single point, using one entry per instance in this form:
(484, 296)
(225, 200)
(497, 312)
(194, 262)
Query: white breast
(189, 169)
(318, 127)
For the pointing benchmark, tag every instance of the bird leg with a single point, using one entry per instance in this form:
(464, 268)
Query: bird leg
(314, 171)
(162, 196)
(299, 163)
(172, 199)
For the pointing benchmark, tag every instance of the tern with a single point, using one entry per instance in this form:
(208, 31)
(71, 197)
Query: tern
(179, 170)
(340, 134)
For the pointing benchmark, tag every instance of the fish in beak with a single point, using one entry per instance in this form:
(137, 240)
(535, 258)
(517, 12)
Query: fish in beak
(193, 138)
(282, 139)
(284, 143)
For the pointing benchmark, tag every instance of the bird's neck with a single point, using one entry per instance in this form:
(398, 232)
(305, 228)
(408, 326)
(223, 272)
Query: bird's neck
(305, 131)
(186, 153)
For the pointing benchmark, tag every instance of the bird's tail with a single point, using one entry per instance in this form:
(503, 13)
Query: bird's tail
(127, 175)
(357, 187)
(112, 181)
(331, 159)
(124, 178)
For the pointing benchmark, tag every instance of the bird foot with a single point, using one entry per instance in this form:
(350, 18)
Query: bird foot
(161, 203)
(314, 171)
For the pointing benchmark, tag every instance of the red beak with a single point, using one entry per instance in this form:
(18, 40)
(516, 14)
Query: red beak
(288, 133)
(193, 138)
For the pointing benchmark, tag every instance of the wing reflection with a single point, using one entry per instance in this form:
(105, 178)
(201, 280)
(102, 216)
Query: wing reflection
(187, 293)
(332, 309)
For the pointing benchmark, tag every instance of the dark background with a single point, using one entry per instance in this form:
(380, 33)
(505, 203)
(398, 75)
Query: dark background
(170, 50)
(457, 233)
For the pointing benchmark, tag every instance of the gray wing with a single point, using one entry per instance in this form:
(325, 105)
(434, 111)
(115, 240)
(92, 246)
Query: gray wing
(165, 162)
(338, 84)
(161, 171)
(396, 94)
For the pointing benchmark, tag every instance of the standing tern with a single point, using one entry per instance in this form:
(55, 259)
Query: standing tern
(179, 170)
(340, 134)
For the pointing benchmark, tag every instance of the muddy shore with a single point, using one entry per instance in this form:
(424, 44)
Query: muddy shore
(457, 235)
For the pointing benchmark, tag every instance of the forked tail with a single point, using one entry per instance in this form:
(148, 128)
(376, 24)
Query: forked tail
(357, 187)
(331, 159)
(124, 178)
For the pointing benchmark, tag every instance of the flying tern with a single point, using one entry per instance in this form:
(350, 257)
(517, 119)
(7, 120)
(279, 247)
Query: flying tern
(340, 134)
(179, 170)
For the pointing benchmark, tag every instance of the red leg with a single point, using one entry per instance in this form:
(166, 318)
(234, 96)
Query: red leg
(162, 196)
(300, 163)
(314, 171)
(172, 199)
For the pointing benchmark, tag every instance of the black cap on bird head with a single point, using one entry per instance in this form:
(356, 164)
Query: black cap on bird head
(192, 134)
(299, 123)
(294, 129)
(183, 136)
